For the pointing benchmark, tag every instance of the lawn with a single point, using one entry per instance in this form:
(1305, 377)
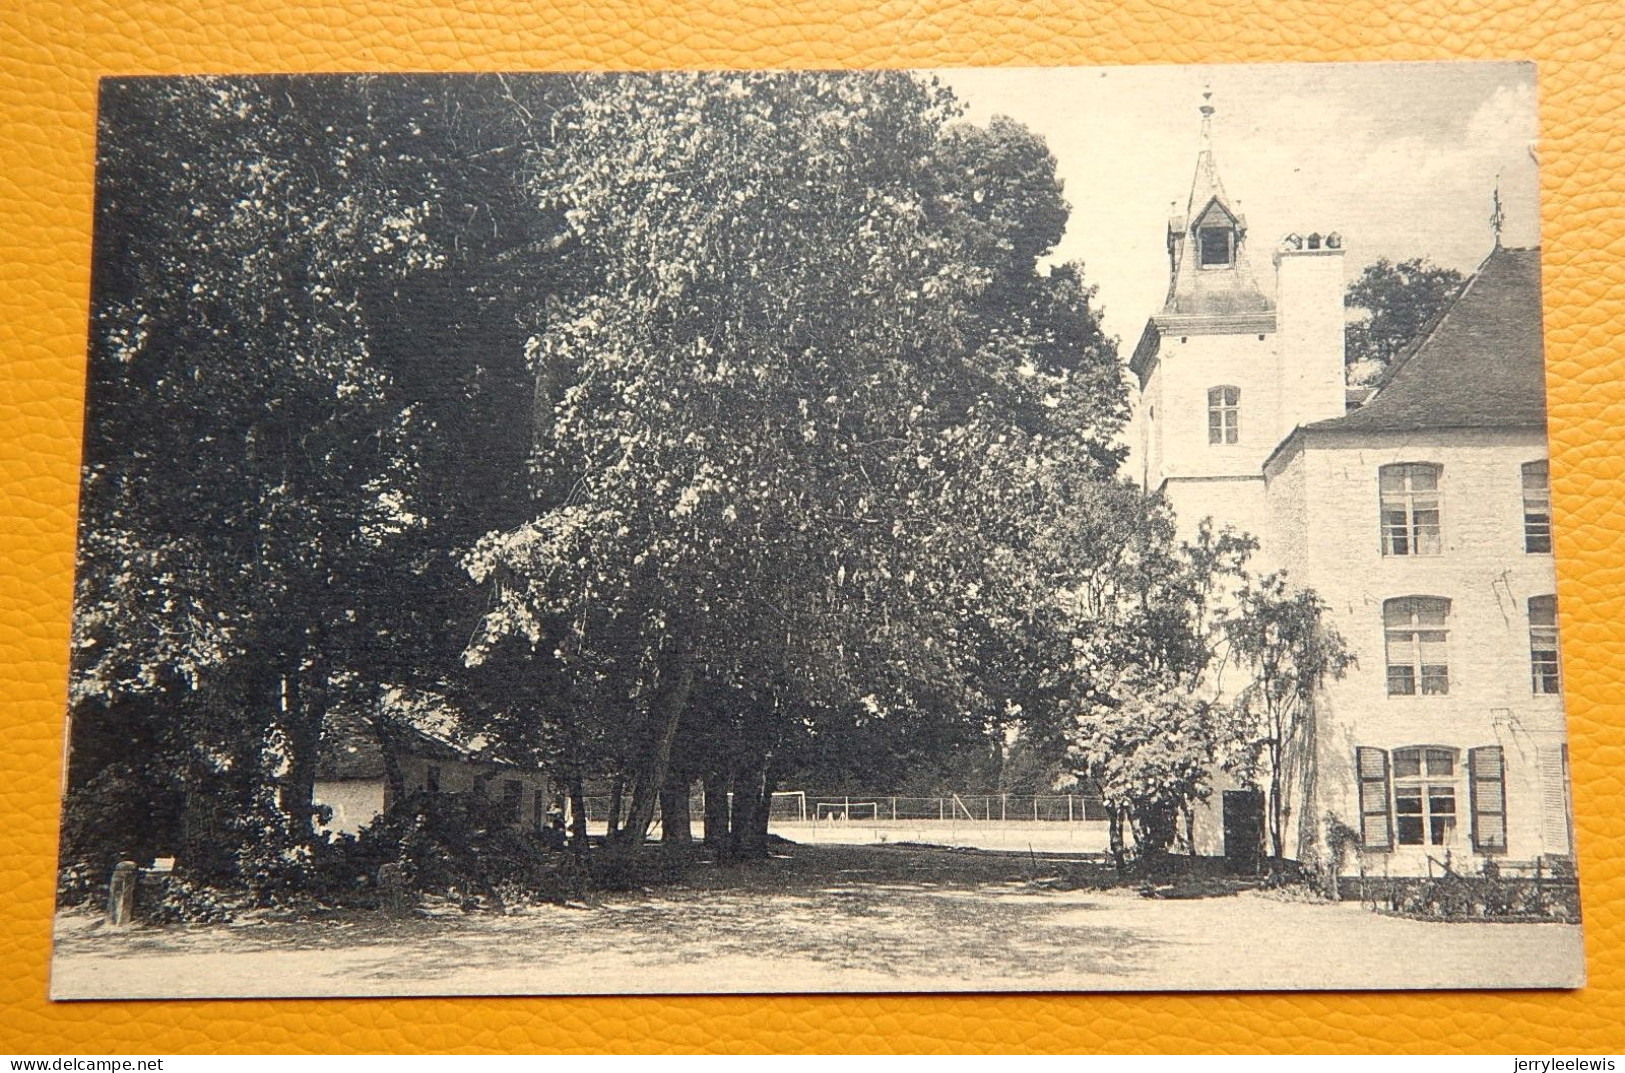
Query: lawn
(827, 918)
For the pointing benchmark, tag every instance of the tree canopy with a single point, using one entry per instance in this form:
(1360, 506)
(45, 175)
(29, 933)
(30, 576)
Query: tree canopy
(1398, 302)
(677, 427)
(800, 426)
(266, 511)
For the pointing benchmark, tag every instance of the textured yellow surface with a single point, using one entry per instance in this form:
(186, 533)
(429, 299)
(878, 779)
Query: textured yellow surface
(50, 57)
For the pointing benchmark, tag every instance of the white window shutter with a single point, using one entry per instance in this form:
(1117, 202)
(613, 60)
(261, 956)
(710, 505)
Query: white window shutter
(1554, 806)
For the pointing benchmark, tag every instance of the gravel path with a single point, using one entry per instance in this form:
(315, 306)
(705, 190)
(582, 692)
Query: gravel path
(888, 918)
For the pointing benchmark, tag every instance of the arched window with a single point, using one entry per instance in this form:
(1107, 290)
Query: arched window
(1545, 670)
(1223, 414)
(1410, 508)
(1537, 507)
(1416, 629)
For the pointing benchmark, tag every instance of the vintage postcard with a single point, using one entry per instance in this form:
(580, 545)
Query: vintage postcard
(999, 530)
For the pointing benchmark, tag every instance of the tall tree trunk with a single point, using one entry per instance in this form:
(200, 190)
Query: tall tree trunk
(770, 782)
(1275, 814)
(716, 809)
(211, 804)
(307, 712)
(750, 808)
(573, 751)
(578, 813)
(1114, 838)
(211, 800)
(665, 715)
(616, 789)
(390, 746)
(675, 821)
(1308, 786)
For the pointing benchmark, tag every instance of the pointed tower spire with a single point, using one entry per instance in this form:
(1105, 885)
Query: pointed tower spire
(1208, 266)
(1205, 184)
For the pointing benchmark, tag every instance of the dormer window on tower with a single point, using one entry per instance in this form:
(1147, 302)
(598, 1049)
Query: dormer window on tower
(1216, 237)
(1218, 247)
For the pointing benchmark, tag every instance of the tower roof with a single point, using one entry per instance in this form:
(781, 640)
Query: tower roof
(1212, 298)
(1206, 186)
(1195, 289)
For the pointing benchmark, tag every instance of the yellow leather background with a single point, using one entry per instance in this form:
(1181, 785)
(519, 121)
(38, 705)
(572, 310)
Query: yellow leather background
(50, 57)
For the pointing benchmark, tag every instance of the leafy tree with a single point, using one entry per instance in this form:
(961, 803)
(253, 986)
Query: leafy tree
(1279, 637)
(264, 462)
(1150, 747)
(790, 446)
(1143, 622)
(1399, 301)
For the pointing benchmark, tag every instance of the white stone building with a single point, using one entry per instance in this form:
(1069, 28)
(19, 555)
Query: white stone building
(1422, 518)
(431, 754)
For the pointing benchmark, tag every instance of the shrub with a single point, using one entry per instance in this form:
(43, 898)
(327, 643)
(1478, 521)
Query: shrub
(125, 812)
(1487, 897)
(78, 883)
(170, 899)
(446, 844)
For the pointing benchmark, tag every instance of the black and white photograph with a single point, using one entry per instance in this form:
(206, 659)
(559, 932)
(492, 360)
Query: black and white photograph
(1070, 529)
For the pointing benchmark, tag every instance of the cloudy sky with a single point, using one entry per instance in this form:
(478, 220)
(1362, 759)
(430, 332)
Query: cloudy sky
(1400, 159)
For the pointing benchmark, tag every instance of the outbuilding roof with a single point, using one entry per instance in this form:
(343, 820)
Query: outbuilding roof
(417, 722)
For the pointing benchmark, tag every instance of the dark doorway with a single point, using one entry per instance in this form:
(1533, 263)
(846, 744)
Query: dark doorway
(1243, 830)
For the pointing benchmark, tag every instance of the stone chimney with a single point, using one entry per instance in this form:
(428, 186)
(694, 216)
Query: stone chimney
(1309, 290)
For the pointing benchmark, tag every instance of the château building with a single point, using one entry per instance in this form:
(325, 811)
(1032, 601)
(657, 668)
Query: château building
(1420, 514)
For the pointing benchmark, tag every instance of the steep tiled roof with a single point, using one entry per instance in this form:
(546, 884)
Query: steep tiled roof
(1206, 292)
(1481, 365)
(1202, 300)
(419, 723)
(349, 749)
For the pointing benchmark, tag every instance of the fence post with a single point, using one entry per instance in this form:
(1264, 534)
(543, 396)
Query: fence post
(392, 888)
(894, 810)
(942, 812)
(1068, 808)
(121, 893)
(1035, 808)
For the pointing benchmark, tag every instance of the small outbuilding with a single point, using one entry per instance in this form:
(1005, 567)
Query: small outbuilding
(422, 736)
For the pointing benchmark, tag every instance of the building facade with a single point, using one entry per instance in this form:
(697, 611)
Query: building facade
(1421, 517)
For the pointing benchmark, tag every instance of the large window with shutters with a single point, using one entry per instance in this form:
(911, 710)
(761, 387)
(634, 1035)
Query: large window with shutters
(1545, 670)
(1424, 796)
(1410, 508)
(1414, 797)
(1537, 507)
(1416, 629)
(1224, 415)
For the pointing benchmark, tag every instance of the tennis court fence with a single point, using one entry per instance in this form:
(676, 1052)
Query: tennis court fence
(795, 807)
